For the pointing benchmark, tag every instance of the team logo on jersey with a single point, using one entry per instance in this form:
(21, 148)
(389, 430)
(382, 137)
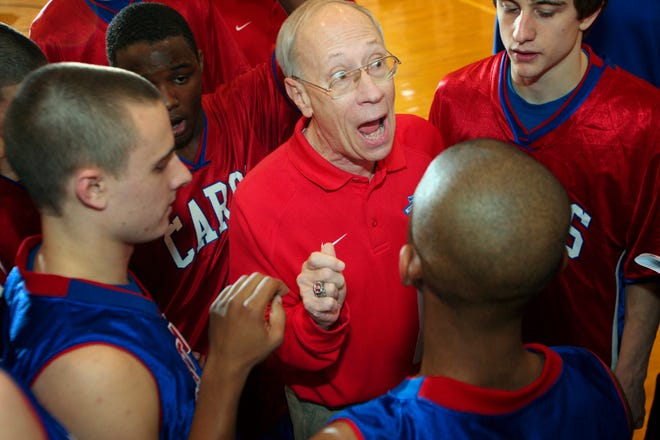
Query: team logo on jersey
(206, 210)
(408, 209)
(575, 231)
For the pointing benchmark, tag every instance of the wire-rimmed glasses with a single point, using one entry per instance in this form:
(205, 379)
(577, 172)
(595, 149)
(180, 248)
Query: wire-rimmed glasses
(343, 83)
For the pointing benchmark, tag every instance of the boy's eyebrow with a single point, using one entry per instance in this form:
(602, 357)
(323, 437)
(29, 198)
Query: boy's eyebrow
(180, 66)
(165, 156)
(549, 2)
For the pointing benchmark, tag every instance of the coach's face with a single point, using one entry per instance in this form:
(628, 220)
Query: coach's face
(355, 130)
(176, 70)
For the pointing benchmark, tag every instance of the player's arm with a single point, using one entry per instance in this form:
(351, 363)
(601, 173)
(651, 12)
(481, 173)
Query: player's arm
(240, 337)
(642, 315)
(100, 392)
(336, 431)
(17, 419)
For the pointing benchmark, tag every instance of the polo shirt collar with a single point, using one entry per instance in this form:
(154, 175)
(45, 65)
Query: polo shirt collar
(320, 171)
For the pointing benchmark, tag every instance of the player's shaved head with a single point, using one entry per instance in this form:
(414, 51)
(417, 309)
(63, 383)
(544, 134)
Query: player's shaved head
(66, 116)
(489, 222)
(19, 54)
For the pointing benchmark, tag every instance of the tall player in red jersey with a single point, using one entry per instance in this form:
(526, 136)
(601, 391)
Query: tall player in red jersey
(74, 30)
(597, 128)
(218, 136)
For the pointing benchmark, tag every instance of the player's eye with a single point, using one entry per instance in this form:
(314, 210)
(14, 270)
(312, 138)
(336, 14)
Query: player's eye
(181, 79)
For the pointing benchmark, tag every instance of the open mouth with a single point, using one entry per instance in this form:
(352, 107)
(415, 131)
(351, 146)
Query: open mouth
(373, 130)
(178, 126)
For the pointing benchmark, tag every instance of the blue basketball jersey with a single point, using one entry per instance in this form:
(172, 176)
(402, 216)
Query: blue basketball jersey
(574, 398)
(47, 315)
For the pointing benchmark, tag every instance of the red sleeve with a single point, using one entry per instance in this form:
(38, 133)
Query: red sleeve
(643, 234)
(257, 99)
(306, 346)
(70, 31)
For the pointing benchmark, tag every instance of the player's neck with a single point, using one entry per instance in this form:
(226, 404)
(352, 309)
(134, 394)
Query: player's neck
(73, 252)
(460, 346)
(484, 365)
(560, 80)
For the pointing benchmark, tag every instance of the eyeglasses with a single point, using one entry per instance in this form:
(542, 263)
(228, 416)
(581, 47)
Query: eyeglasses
(343, 83)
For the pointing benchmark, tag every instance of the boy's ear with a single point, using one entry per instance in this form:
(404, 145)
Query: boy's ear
(586, 22)
(410, 266)
(299, 96)
(90, 185)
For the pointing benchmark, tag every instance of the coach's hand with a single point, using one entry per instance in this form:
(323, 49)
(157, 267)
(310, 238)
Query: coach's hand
(322, 286)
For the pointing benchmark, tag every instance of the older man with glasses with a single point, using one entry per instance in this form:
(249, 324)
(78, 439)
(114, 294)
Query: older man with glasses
(327, 213)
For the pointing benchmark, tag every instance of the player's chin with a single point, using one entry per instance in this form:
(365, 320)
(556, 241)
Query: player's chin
(159, 229)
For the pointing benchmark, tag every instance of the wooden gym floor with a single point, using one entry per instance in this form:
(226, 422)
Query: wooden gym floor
(430, 37)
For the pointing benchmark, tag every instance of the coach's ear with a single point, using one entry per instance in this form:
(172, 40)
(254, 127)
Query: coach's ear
(299, 96)
(90, 185)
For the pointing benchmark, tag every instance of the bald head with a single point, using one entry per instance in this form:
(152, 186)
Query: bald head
(309, 19)
(489, 223)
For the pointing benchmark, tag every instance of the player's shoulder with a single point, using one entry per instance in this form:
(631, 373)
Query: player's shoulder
(580, 359)
(411, 123)
(103, 383)
(624, 84)
(338, 430)
(474, 81)
(475, 72)
(100, 364)
(417, 134)
(57, 13)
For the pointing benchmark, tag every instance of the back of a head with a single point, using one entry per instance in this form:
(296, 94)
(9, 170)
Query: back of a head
(19, 56)
(145, 22)
(489, 222)
(286, 46)
(69, 115)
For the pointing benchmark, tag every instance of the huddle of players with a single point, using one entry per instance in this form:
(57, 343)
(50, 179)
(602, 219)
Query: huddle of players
(261, 120)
